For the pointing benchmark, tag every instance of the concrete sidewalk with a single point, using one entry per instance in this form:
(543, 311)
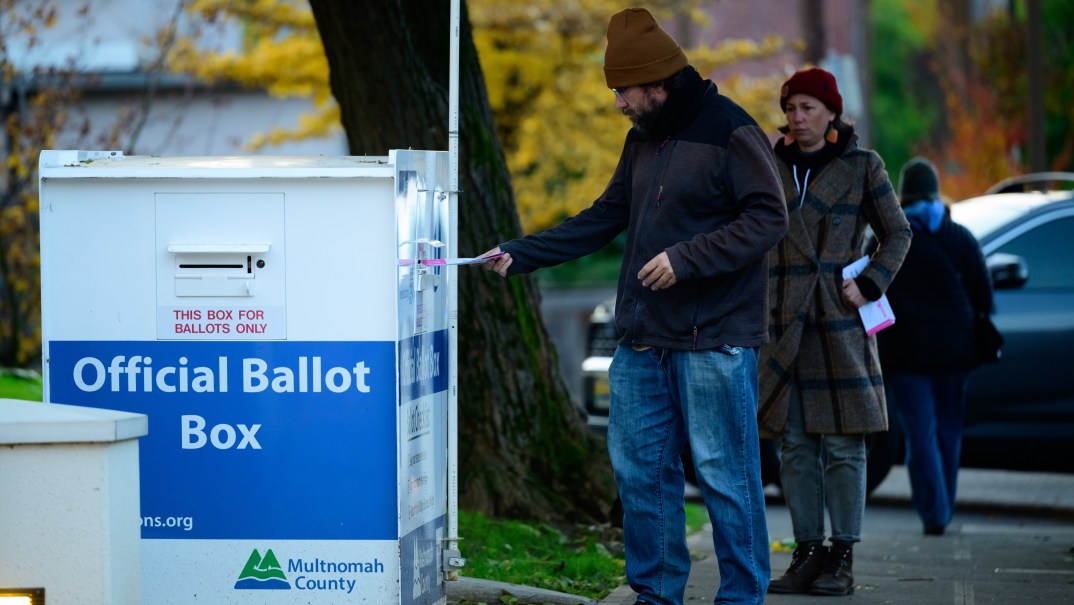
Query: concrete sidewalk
(981, 490)
(1045, 493)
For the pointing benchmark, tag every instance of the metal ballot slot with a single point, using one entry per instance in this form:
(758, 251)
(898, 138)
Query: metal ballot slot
(217, 269)
(221, 263)
(426, 277)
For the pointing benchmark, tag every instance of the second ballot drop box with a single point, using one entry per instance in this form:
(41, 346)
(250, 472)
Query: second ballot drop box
(275, 320)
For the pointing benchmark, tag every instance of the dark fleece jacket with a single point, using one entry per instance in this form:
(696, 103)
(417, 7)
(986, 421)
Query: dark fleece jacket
(703, 187)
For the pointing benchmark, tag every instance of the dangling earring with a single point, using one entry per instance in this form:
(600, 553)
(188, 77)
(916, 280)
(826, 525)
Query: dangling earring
(832, 135)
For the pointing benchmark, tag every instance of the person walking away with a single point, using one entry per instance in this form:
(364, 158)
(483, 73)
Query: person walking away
(821, 388)
(698, 193)
(927, 356)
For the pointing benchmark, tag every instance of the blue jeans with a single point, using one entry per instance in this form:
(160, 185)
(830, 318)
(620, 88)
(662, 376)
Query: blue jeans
(818, 472)
(661, 400)
(930, 409)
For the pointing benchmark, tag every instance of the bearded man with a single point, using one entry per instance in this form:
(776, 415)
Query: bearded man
(699, 195)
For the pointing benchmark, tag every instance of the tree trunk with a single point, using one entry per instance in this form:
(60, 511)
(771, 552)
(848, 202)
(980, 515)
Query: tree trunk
(814, 31)
(524, 450)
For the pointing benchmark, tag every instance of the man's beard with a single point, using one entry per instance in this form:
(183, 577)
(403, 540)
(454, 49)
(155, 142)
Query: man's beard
(645, 121)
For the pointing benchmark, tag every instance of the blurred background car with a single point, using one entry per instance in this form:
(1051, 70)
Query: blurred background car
(1020, 411)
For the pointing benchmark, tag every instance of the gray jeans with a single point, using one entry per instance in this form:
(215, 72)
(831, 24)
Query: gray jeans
(818, 472)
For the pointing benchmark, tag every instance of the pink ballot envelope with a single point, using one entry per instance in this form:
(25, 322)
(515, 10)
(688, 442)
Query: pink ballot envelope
(875, 314)
(451, 261)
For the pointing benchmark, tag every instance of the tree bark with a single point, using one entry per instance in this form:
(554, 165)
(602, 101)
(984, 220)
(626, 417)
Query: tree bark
(814, 31)
(524, 449)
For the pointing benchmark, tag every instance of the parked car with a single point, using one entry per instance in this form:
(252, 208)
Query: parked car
(1020, 411)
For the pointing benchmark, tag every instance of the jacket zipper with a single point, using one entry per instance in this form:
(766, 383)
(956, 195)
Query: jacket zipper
(697, 316)
(660, 189)
(659, 195)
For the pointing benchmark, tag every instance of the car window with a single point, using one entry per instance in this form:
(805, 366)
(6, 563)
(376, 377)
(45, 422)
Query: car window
(1048, 250)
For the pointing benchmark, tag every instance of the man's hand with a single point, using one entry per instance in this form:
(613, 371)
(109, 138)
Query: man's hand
(658, 273)
(500, 264)
(852, 294)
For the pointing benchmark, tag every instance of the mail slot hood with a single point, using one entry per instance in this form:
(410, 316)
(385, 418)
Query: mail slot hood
(217, 269)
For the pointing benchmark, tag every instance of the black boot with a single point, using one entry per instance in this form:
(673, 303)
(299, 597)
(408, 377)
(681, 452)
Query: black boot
(837, 577)
(806, 564)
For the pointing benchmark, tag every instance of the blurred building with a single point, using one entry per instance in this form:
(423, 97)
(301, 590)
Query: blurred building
(832, 34)
(110, 51)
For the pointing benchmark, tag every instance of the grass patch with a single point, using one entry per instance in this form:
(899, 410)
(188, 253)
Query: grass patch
(20, 384)
(696, 517)
(580, 560)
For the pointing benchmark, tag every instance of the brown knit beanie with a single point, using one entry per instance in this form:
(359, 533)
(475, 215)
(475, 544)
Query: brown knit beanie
(639, 52)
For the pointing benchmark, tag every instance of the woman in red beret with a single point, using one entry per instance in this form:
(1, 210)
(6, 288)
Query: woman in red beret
(821, 389)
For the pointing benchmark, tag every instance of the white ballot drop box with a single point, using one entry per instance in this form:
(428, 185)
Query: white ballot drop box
(275, 320)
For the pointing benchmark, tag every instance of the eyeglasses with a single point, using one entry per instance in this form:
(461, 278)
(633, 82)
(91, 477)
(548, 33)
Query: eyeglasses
(619, 92)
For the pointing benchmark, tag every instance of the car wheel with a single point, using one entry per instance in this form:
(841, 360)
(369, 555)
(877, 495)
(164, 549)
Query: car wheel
(770, 462)
(880, 457)
(882, 452)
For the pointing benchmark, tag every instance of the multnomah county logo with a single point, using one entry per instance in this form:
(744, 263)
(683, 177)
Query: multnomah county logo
(263, 573)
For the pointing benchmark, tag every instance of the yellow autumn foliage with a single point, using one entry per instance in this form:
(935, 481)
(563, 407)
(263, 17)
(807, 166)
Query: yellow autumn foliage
(27, 129)
(281, 53)
(557, 120)
(542, 61)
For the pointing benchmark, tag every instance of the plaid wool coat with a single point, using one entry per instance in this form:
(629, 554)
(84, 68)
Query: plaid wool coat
(815, 337)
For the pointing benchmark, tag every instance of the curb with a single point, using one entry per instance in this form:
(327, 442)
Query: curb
(487, 591)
